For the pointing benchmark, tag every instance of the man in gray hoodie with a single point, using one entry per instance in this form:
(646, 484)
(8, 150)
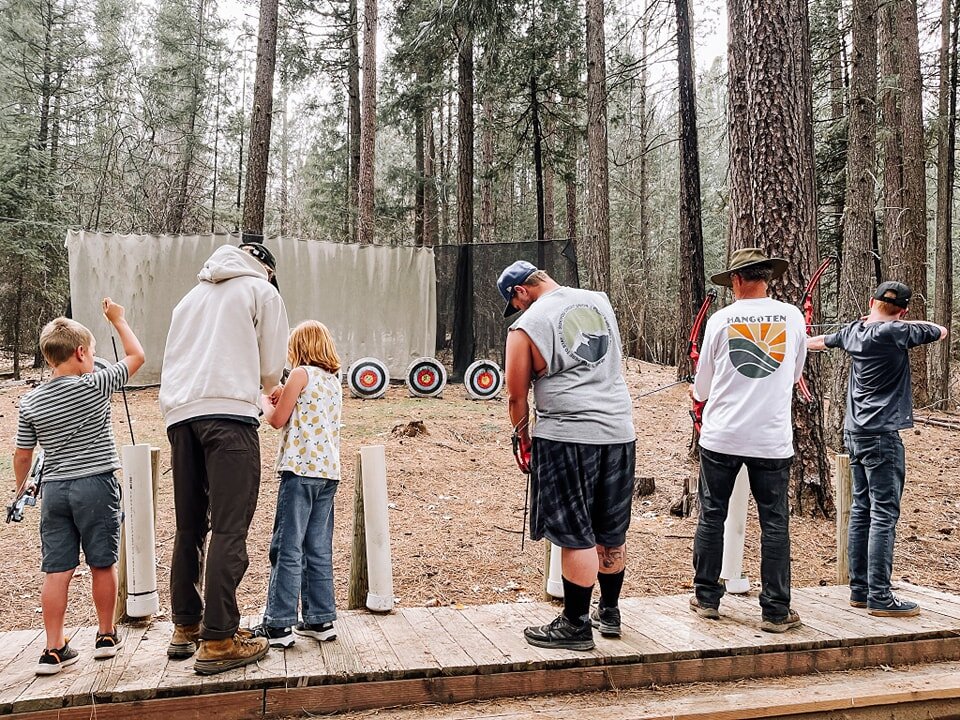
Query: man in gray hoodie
(227, 340)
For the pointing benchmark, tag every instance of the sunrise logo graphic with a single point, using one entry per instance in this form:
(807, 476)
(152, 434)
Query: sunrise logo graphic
(757, 349)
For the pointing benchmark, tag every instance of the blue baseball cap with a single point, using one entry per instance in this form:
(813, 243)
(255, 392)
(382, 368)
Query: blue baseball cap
(515, 274)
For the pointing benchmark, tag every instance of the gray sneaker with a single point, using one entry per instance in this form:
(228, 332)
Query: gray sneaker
(894, 607)
(711, 613)
(778, 625)
(606, 620)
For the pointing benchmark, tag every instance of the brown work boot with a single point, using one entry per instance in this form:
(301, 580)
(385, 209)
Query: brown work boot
(216, 656)
(184, 642)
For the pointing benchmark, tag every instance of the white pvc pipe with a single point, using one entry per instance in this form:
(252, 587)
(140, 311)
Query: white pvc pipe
(734, 532)
(555, 573)
(139, 531)
(373, 471)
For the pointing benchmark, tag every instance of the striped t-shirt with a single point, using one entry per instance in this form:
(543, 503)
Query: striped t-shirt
(69, 416)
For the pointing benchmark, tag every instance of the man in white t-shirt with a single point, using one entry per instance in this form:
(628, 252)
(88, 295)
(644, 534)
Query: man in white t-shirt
(752, 355)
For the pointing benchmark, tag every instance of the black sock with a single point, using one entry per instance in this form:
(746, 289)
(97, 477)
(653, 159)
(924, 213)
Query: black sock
(576, 601)
(610, 585)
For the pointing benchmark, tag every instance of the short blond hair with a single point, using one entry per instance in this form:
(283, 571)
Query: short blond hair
(60, 339)
(312, 344)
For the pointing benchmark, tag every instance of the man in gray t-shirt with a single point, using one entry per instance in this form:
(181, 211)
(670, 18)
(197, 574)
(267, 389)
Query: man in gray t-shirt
(879, 405)
(582, 453)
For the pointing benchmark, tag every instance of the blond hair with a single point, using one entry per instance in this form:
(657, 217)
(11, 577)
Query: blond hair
(60, 339)
(311, 344)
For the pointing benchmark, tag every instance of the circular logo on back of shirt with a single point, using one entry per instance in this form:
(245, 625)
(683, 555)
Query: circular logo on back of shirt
(757, 349)
(584, 334)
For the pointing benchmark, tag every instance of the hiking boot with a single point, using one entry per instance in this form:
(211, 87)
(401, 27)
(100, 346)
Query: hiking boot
(321, 631)
(894, 607)
(107, 645)
(53, 661)
(607, 620)
(561, 634)
(278, 637)
(779, 625)
(184, 642)
(711, 613)
(217, 656)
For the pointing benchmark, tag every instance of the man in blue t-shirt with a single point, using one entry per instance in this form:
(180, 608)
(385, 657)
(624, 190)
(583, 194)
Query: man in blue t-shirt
(879, 405)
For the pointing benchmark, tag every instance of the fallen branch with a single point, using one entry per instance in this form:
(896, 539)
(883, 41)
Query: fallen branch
(938, 423)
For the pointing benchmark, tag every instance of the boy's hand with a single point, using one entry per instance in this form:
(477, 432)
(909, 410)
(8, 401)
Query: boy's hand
(112, 311)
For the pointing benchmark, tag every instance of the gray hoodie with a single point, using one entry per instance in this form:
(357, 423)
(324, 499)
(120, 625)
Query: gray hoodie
(227, 338)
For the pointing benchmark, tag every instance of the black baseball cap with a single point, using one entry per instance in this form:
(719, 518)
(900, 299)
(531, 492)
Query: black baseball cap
(261, 253)
(893, 292)
(516, 274)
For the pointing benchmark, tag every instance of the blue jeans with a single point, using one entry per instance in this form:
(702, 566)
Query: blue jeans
(769, 483)
(878, 466)
(301, 552)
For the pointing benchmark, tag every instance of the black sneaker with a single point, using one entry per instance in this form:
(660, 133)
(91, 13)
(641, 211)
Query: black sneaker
(607, 620)
(53, 661)
(561, 634)
(778, 625)
(894, 607)
(107, 645)
(322, 631)
(279, 637)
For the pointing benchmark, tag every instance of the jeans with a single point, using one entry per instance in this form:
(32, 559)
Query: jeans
(769, 483)
(216, 480)
(878, 466)
(301, 552)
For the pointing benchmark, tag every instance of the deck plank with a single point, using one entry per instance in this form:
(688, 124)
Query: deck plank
(53, 691)
(142, 675)
(20, 671)
(407, 643)
(689, 636)
(451, 658)
(485, 655)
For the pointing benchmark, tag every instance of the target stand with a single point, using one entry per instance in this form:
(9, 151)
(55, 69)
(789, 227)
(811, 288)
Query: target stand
(368, 378)
(426, 377)
(483, 380)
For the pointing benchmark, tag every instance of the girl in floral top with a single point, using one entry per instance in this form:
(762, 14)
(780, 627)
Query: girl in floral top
(307, 408)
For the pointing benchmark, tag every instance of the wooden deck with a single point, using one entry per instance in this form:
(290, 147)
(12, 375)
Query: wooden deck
(442, 655)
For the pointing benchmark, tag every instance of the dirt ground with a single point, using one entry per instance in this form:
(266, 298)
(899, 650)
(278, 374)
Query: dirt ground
(456, 506)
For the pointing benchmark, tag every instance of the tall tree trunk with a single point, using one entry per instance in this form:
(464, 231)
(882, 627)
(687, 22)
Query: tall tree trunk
(486, 170)
(946, 163)
(692, 285)
(771, 112)
(856, 268)
(834, 225)
(549, 175)
(419, 152)
(178, 215)
(643, 191)
(284, 164)
(353, 124)
(571, 151)
(905, 192)
(597, 241)
(261, 118)
(368, 128)
(430, 211)
(465, 130)
(537, 166)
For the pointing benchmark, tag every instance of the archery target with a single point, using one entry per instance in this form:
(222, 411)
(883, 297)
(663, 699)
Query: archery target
(426, 377)
(483, 380)
(368, 378)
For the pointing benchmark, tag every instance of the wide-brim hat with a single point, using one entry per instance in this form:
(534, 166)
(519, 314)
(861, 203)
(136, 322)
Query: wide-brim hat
(748, 257)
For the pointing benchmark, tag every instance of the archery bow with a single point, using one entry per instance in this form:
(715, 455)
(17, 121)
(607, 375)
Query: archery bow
(806, 304)
(693, 351)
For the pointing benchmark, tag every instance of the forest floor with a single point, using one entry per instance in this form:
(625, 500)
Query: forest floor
(456, 505)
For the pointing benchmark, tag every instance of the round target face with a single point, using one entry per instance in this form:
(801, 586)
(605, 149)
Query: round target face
(483, 380)
(426, 377)
(368, 378)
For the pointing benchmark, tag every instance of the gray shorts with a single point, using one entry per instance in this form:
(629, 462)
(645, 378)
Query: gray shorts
(84, 512)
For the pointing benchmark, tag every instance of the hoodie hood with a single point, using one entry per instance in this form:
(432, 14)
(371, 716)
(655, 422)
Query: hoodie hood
(229, 261)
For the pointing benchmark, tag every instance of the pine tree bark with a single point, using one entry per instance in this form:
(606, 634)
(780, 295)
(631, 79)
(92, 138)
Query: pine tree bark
(261, 118)
(904, 244)
(419, 152)
(856, 267)
(368, 126)
(353, 123)
(692, 285)
(431, 216)
(465, 131)
(772, 186)
(596, 245)
(486, 171)
(946, 166)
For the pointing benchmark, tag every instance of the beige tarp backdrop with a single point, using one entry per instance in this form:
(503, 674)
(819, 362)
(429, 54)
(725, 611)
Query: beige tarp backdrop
(377, 301)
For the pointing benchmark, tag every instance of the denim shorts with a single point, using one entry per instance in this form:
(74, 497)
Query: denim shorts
(84, 512)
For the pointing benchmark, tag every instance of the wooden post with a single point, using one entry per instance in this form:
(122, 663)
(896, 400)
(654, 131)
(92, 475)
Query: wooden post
(359, 584)
(120, 611)
(844, 489)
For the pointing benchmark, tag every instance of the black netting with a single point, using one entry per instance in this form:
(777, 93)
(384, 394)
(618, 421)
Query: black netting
(470, 322)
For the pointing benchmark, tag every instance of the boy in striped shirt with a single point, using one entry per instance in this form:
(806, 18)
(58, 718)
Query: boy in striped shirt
(69, 417)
